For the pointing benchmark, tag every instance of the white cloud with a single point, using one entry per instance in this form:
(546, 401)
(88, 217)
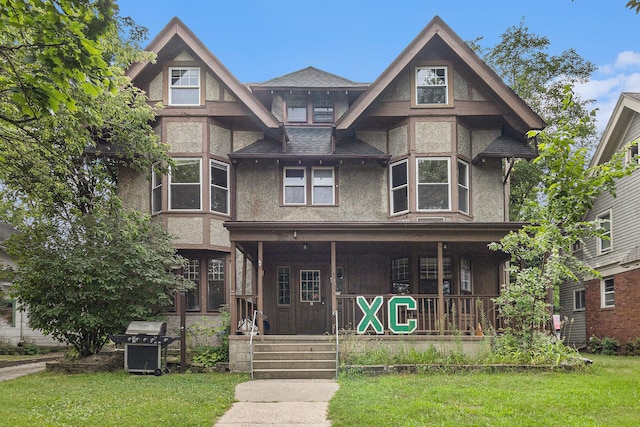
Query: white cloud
(609, 82)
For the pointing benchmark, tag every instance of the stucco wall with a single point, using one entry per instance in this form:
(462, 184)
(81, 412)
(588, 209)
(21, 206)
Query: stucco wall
(277, 107)
(398, 141)
(460, 90)
(219, 140)
(376, 139)
(156, 89)
(487, 196)
(400, 90)
(433, 137)
(186, 230)
(184, 137)
(134, 189)
(212, 88)
(480, 139)
(464, 141)
(218, 235)
(243, 138)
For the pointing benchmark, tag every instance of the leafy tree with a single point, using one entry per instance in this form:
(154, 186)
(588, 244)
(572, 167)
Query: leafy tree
(85, 265)
(541, 253)
(634, 4)
(522, 61)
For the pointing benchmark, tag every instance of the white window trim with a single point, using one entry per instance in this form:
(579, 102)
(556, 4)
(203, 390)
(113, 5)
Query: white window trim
(392, 188)
(156, 184)
(171, 184)
(575, 299)
(600, 241)
(466, 187)
(446, 84)
(226, 167)
(198, 86)
(603, 294)
(284, 185)
(417, 184)
(333, 185)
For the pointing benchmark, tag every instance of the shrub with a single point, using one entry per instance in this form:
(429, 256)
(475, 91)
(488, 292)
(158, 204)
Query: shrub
(632, 347)
(594, 345)
(610, 346)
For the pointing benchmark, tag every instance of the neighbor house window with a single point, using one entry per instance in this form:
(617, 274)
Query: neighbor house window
(297, 109)
(156, 192)
(579, 302)
(310, 286)
(323, 186)
(215, 284)
(632, 154)
(284, 286)
(431, 85)
(463, 187)
(608, 292)
(192, 272)
(400, 271)
(398, 176)
(465, 276)
(219, 187)
(322, 109)
(433, 184)
(184, 86)
(604, 225)
(295, 186)
(184, 185)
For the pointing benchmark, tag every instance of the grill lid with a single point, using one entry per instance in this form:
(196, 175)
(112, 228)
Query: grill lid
(138, 327)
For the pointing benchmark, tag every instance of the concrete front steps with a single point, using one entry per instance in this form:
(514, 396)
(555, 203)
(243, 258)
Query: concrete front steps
(294, 357)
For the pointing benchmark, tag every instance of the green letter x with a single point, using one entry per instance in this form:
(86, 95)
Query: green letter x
(370, 317)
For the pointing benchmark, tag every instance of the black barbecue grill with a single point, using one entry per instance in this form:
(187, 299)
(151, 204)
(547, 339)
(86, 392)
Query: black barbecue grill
(145, 347)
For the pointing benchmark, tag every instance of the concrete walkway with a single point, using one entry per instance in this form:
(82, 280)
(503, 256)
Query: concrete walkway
(280, 402)
(12, 372)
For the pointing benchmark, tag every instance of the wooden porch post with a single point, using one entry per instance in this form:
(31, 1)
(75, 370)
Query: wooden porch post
(260, 275)
(233, 302)
(334, 298)
(440, 289)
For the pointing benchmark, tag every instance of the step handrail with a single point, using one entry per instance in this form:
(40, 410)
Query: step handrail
(251, 334)
(335, 313)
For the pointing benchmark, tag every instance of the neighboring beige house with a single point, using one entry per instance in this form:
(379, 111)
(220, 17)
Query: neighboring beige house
(296, 196)
(608, 307)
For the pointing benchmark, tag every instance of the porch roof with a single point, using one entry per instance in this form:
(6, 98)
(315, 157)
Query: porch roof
(271, 231)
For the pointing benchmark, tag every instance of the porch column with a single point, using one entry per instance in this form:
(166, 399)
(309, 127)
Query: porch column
(440, 289)
(334, 298)
(233, 302)
(260, 274)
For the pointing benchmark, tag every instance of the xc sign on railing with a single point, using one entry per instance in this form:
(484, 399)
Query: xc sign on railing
(370, 312)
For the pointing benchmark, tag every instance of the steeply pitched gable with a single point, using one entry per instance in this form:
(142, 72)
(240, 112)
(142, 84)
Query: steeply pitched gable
(438, 29)
(626, 111)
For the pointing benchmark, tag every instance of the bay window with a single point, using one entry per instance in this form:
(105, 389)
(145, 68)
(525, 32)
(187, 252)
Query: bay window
(219, 187)
(398, 176)
(433, 179)
(463, 186)
(156, 192)
(184, 185)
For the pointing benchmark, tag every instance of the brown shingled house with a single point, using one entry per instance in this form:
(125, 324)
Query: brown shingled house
(295, 197)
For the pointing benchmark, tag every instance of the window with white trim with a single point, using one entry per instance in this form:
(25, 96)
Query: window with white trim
(431, 85)
(399, 179)
(184, 86)
(184, 185)
(579, 301)
(632, 154)
(323, 185)
(215, 284)
(156, 191)
(295, 186)
(465, 276)
(192, 272)
(310, 286)
(604, 241)
(463, 186)
(433, 184)
(608, 297)
(219, 187)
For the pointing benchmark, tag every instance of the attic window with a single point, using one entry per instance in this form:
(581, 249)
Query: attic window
(431, 85)
(322, 109)
(297, 109)
(184, 86)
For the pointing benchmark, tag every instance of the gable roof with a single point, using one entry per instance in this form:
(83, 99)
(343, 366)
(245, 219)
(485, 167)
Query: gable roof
(626, 108)
(437, 28)
(310, 78)
(177, 29)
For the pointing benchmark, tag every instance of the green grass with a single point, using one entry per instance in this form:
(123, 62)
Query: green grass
(112, 399)
(605, 394)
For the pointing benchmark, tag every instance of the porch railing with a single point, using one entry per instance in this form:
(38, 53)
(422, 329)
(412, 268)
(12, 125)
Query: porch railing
(462, 314)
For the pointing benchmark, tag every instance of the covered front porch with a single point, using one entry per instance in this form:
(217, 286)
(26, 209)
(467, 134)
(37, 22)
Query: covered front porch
(367, 278)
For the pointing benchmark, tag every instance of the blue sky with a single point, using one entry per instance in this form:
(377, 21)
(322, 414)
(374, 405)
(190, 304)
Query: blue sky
(260, 39)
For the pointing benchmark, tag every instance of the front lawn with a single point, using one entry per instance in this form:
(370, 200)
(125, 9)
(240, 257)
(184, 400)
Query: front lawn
(119, 398)
(605, 394)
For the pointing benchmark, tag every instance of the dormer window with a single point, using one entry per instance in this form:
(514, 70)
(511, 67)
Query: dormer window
(296, 109)
(309, 108)
(432, 85)
(322, 109)
(184, 86)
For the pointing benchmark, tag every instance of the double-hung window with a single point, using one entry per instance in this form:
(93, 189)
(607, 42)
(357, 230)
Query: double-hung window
(433, 184)
(215, 284)
(156, 191)
(608, 297)
(219, 187)
(398, 176)
(431, 85)
(323, 186)
(184, 86)
(296, 109)
(295, 186)
(604, 241)
(463, 187)
(184, 185)
(322, 109)
(579, 302)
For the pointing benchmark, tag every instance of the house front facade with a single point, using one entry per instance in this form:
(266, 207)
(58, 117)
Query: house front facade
(324, 204)
(607, 306)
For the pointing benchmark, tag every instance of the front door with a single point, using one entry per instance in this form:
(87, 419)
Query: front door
(312, 302)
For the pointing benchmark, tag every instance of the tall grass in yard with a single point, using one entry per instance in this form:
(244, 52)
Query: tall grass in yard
(117, 399)
(604, 394)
